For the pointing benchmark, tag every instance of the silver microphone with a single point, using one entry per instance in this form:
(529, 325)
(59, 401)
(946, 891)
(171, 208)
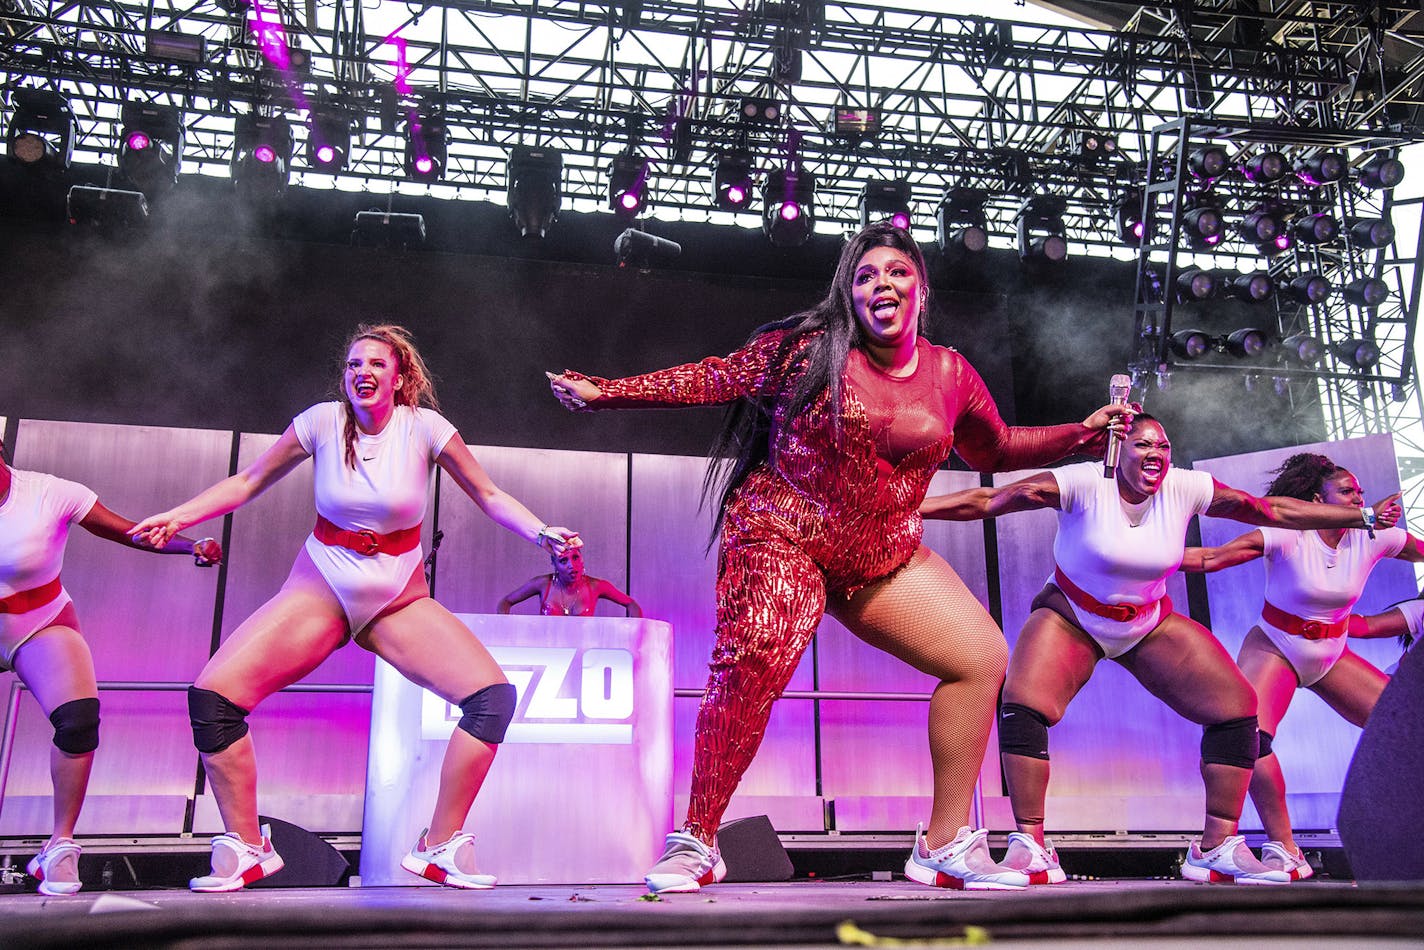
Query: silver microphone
(1118, 390)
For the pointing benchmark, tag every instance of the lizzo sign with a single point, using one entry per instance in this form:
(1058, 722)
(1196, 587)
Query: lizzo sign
(567, 695)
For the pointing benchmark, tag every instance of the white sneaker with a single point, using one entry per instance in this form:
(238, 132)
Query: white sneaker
(963, 864)
(1230, 862)
(1275, 856)
(686, 865)
(237, 864)
(1039, 862)
(438, 863)
(56, 867)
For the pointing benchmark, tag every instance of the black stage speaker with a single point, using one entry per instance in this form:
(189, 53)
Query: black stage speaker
(308, 860)
(753, 852)
(1381, 820)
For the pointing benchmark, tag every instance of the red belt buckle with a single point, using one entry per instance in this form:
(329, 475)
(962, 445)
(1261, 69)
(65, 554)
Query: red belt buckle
(370, 544)
(1122, 613)
(1314, 630)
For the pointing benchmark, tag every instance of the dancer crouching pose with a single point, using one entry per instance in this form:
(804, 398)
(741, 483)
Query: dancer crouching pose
(1118, 541)
(568, 592)
(841, 415)
(359, 575)
(1313, 578)
(41, 642)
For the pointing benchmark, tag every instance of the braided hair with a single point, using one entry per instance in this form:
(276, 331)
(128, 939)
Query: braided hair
(1302, 476)
(417, 386)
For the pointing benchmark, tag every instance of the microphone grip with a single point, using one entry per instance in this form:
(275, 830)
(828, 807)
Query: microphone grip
(1111, 456)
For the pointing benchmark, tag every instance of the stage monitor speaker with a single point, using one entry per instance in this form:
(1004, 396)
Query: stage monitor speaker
(753, 852)
(1379, 806)
(308, 860)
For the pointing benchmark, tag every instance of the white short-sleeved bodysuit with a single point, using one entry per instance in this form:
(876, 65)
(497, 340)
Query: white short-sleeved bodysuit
(387, 490)
(34, 527)
(1308, 578)
(1121, 553)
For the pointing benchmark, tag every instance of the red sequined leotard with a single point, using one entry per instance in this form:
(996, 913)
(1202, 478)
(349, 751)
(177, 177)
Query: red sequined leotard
(827, 515)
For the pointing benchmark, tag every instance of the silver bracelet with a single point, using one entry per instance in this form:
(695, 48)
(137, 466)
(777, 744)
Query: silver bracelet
(539, 538)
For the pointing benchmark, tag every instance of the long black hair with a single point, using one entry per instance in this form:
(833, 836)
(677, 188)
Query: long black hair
(810, 361)
(1302, 476)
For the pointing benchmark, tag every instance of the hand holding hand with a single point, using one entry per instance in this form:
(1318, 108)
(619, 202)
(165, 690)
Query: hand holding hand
(156, 531)
(572, 390)
(557, 540)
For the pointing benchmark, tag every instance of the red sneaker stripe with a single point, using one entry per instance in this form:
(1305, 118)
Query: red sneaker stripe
(434, 872)
(254, 873)
(948, 880)
(708, 878)
(1038, 877)
(1218, 878)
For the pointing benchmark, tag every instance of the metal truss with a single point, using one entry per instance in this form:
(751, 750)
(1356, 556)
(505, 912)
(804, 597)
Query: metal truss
(992, 103)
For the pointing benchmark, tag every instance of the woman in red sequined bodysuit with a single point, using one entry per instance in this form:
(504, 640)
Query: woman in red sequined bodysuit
(840, 417)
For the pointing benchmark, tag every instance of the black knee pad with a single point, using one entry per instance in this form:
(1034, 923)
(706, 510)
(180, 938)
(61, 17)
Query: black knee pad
(1023, 731)
(1233, 742)
(217, 721)
(1263, 740)
(487, 712)
(76, 726)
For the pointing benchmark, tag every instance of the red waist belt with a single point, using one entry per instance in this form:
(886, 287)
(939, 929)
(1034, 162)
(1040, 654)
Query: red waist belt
(1300, 627)
(1122, 613)
(366, 541)
(23, 601)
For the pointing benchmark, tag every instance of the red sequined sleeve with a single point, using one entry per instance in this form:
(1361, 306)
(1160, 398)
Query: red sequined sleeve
(984, 441)
(717, 379)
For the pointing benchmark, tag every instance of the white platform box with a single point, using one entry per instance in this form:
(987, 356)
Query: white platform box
(581, 791)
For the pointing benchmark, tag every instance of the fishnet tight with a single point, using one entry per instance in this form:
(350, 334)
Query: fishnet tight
(771, 597)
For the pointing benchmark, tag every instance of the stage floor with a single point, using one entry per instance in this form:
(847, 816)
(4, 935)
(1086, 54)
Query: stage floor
(804, 914)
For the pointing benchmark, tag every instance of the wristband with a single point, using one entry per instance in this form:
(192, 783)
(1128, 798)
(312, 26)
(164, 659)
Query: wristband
(539, 538)
(1368, 514)
(198, 558)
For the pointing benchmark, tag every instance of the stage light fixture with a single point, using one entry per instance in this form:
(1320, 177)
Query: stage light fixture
(1194, 283)
(1356, 352)
(960, 222)
(885, 201)
(1371, 232)
(788, 207)
(1190, 344)
(856, 124)
(760, 111)
(1381, 172)
(1366, 292)
(534, 192)
(1307, 289)
(1254, 287)
(628, 184)
(1322, 168)
(388, 229)
(427, 146)
(1303, 348)
(643, 249)
(1132, 227)
(262, 155)
(107, 209)
(732, 181)
(1095, 147)
(1318, 228)
(1203, 226)
(1039, 229)
(41, 133)
(328, 140)
(1262, 225)
(1208, 162)
(1246, 343)
(179, 47)
(1265, 168)
(150, 145)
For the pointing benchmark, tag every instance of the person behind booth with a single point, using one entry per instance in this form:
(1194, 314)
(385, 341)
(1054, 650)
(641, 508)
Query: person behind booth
(41, 642)
(1313, 579)
(568, 591)
(839, 418)
(358, 576)
(1118, 541)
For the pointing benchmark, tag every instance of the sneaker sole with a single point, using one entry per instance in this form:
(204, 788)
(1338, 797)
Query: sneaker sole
(933, 878)
(434, 872)
(1207, 876)
(1051, 876)
(251, 876)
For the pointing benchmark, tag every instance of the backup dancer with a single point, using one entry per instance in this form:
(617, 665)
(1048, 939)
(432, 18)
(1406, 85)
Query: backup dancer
(1313, 579)
(1118, 541)
(358, 576)
(568, 592)
(41, 642)
(841, 415)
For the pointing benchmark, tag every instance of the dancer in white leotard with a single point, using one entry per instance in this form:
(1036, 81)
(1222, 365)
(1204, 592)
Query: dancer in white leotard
(358, 575)
(1313, 579)
(40, 639)
(1106, 587)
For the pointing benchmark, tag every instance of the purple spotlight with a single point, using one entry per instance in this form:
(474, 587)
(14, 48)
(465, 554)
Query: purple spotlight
(736, 194)
(265, 154)
(1138, 229)
(629, 200)
(325, 154)
(424, 164)
(790, 211)
(1213, 239)
(901, 220)
(1283, 242)
(138, 141)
